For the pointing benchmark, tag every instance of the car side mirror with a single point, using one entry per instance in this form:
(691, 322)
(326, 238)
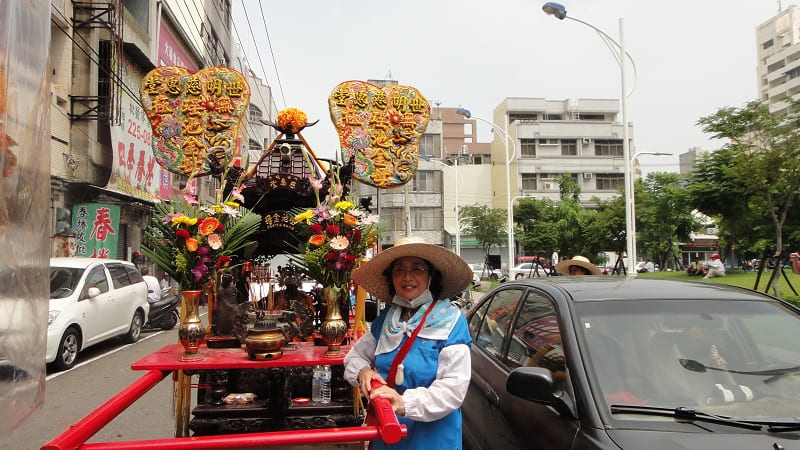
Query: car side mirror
(537, 385)
(92, 292)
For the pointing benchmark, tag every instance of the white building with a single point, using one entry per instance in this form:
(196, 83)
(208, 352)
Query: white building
(779, 59)
(581, 137)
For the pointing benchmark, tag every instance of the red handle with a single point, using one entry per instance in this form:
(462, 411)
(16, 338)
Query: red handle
(388, 426)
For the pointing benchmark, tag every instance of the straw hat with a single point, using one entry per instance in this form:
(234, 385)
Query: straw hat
(456, 274)
(580, 261)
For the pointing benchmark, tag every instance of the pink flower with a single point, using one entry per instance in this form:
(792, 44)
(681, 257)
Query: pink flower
(214, 241)
(316, 183)
(190, 199)
(236, 193)
(339, 243)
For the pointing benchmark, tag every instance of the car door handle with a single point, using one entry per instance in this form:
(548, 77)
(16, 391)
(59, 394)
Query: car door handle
(492, 397)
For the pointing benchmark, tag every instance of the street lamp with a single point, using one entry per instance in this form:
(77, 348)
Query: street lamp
(458, 234)
(618, 50)
(506, 140)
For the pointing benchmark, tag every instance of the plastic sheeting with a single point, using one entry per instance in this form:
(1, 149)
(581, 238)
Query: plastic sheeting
(24, 203)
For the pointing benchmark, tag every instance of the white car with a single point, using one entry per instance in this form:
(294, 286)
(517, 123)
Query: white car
(92, 300)
(527, 270)
(480, 271)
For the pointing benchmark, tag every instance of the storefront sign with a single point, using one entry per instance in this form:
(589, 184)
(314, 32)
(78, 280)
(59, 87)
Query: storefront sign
(95, 226)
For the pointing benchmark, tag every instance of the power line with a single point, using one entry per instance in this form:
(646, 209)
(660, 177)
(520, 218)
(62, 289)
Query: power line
(271, 51)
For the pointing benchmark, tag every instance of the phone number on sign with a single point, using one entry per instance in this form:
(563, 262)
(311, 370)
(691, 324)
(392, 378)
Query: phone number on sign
(136, 130)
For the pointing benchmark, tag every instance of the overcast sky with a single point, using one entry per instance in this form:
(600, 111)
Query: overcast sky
(692, 57)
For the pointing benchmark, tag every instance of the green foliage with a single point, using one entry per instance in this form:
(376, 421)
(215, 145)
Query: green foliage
(488, 225)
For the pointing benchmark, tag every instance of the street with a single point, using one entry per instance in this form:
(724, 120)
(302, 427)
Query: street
(102, 372)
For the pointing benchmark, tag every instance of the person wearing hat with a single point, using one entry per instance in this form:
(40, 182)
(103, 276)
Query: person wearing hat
(715, 268)
(578, 265)
(418, 347)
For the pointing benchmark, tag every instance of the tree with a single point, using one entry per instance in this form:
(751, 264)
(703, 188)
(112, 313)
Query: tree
(764, 160)
(664, 217)
(487, 225)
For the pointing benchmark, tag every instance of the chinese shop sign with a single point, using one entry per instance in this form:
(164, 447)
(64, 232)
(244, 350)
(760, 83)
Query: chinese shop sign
(95, 226)
(193, 114)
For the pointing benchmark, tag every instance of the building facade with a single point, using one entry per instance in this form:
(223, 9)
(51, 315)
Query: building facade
(778, 65)
(104, 178)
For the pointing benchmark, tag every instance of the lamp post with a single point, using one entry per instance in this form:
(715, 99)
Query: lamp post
(458, 234)
(618, 50)
(510, 218)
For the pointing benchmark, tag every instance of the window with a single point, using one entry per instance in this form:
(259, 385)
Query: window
(118, 275)
(255, 114)
(431, 145)
(512, 116)
(426, 219)
(609, 181)
(468, 129)
(425, 181)
(95, 278)
(133, 274)
(767, 44)
(528, 181)
(569, 147)
(254, 145)
(527, 147)
(608, 147)
(490, 324)
(585, 116)
(548, 141)
(553, 116)
(536, 337)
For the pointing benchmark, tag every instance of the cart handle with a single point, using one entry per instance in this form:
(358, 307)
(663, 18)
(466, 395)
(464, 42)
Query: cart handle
(388, 426)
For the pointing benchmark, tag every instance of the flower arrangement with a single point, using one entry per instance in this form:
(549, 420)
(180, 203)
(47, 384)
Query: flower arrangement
(292, 120)
(193, 242)
(338, 235)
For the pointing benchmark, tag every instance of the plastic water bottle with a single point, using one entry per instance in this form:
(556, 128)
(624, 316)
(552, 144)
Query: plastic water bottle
(316, 384)
(326, 384)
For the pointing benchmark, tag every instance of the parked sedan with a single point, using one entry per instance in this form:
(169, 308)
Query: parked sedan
(92, 300)
(527, 270)
(481, 271)
(604, 362)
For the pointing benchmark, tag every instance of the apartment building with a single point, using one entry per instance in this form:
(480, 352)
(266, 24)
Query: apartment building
(548, 138)
(778, 65)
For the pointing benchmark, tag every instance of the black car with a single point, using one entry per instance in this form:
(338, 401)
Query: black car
(608, 362)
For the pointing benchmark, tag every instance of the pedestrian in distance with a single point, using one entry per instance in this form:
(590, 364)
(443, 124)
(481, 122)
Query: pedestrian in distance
(424, 371)
(793, 257)
(153, 288)
(715, 267)
(578, 265)
(554, 262)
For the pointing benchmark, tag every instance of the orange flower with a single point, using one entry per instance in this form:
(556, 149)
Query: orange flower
(349, 220)
(317, 240)
(191, 244)
(292, 119)
(208, 226)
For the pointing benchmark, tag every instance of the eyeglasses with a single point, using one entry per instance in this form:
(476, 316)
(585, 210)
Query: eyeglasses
(416, 271)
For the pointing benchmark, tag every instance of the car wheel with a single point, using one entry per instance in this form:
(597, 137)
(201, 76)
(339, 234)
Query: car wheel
(68, 350)
(494, 277)
(136, 328)
(171, 321)
(518, 276)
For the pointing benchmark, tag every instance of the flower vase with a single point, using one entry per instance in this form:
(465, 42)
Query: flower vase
(333, 328)
(191, 330)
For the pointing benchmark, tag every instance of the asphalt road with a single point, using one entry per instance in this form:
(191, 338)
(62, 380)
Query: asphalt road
(102, 372)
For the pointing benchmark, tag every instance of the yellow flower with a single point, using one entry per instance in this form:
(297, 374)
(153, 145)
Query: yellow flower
(184, 220)
(191, 244)
(307, 215)
(232, 204)
(344, 205)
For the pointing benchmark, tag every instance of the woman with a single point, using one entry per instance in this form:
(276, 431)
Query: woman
(578, 265)
(428, 384)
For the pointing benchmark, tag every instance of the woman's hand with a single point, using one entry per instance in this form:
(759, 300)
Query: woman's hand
(365, 377)
(394, 398)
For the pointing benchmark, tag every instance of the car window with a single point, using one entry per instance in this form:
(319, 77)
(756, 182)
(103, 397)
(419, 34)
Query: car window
(63, 281)
(536, 337)
(134, 275)
(489, 325)
(95, 278)
(118, 275)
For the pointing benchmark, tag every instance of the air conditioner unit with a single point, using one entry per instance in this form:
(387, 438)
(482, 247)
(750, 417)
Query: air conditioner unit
(587, 175)
(586, 141)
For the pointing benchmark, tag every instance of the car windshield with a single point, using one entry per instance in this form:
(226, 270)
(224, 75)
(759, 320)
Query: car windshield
(63, 281)
(731, 358)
